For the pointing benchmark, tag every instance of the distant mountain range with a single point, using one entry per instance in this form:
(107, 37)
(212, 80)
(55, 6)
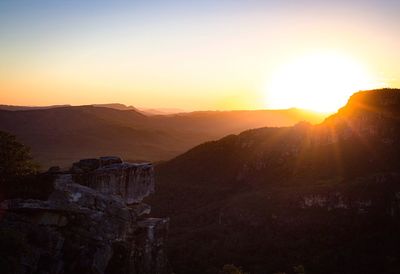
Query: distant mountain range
(59, 135)
(326, 196)
(16, 108)
(146, 111)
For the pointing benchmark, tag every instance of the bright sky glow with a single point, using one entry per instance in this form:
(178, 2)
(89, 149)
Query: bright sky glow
(321, 81)
(196, 55)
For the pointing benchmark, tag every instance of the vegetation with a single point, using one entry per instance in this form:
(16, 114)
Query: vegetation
(15, 158)
(19, 176)
(296, 200)
(324, 197)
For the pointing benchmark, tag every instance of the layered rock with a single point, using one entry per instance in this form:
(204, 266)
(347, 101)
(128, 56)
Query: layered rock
(92, 222)
(109, 175)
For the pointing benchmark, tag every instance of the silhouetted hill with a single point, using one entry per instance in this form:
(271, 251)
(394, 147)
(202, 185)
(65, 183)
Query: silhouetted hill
(116, 106)
(14, 108)
(369, 123)
(145, 111)
(268, 199)
(61, 135)
(161, 111)
(111, 105)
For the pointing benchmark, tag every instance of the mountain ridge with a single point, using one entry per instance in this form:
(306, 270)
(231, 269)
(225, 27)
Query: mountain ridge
(269, 199)
(56, 135)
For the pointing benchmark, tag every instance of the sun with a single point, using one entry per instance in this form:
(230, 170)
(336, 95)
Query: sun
(320, 82)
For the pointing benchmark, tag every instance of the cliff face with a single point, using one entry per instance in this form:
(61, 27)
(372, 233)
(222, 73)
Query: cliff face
(108, 175)
(93, 222)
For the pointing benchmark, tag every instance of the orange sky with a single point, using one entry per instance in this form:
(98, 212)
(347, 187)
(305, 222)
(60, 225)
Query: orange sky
(187, 56)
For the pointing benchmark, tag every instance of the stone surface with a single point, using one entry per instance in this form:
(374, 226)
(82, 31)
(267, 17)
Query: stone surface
(133, 182)
(109, 160)
(87, 164)
(151, 237)
(93, 228)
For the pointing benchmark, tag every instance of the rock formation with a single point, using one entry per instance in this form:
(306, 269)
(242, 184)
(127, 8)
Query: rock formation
(91, 223)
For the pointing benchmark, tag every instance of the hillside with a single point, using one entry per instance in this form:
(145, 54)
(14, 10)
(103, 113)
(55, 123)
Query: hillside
(60, 135)
(324, 196)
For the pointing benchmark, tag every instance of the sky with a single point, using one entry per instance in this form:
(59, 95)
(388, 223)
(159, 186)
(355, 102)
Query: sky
(194, 55)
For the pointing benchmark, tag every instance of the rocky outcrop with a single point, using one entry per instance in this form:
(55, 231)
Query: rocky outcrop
(109, 175)
(93, 222)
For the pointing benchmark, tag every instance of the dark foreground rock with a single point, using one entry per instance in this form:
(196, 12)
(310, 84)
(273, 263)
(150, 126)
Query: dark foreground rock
(91, 223)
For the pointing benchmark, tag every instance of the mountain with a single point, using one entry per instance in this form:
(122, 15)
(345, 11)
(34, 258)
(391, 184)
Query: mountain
(161, 111)
(324, 197)
(14, 108)
(61, 135)
(116, 106)
(112, 105)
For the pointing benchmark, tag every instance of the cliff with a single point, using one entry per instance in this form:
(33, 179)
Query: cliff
(93, 222)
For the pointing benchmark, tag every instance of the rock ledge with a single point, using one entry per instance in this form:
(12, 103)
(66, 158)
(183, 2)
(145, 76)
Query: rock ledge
(93, 222)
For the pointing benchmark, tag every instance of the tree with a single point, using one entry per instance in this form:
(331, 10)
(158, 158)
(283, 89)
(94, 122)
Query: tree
(19, 177)
(15, 158)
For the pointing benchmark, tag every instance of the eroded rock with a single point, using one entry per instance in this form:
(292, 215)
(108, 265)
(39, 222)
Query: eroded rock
(92, 222)
(132, 182)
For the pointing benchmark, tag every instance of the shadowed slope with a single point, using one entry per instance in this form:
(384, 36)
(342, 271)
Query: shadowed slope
(271, 198)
